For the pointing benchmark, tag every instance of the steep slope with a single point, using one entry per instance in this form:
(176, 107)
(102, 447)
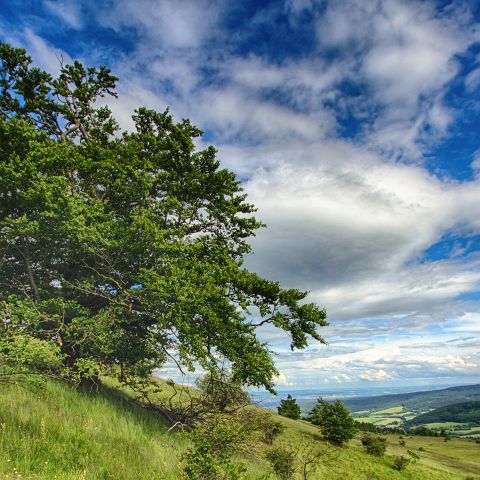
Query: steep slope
(68, 434)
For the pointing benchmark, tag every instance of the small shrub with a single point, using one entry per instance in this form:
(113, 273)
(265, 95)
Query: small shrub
(218, 439)
(202, 463)
(413, 456)
(374, 445)
(283, 462)
(271, 430)
(400, 463)
(402, 442)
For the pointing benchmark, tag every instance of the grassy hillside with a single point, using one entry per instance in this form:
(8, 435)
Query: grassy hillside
(416, 401)
(68, 434)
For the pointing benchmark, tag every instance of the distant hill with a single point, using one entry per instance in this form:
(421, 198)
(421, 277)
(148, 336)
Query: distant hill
(416, 401)
(466, 412)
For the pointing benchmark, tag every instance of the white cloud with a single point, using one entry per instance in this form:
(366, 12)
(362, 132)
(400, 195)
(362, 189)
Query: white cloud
(44, 55)
(344, 219)
(376, 375)
(172, 23)
(67, 10)
(466, 323)
(472, 80)
(281, 380)
(405, 54)
(349, 226)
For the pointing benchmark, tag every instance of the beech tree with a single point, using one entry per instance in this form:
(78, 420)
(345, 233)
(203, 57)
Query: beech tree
(126, 251)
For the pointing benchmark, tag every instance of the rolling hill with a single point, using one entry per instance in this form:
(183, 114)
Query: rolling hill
(465, 412)
(416, 401)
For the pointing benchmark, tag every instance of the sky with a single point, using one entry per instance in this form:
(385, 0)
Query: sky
(353, 126)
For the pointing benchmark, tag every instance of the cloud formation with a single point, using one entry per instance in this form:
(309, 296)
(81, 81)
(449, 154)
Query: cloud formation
(329, 113)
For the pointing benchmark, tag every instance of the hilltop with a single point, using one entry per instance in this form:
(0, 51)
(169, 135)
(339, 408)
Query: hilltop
(453, 409)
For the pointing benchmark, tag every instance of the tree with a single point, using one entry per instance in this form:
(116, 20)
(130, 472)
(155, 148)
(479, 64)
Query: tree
(25, 358)
(127, 252)
(334, 420)
(289, 408)
(219, 391)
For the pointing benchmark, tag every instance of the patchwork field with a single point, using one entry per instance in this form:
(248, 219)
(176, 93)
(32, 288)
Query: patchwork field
(398, 416)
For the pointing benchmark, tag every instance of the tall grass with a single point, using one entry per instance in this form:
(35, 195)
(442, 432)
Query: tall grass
(63, 433)
(59, 432)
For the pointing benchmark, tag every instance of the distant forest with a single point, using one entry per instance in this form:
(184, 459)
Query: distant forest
(418, 401)
(466, 412)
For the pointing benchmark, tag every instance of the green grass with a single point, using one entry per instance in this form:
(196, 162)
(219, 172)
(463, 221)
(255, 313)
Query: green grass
(388, 411)
(63, 433)
(381, 421)
(68, 434)
(446, 425)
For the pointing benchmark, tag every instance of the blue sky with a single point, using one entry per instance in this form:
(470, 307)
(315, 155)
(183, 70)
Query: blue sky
(354, 127)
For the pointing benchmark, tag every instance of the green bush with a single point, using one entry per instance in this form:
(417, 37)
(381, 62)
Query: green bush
(283, 462)
(203, 463)
(220, 437)
(271, 430)
(400, 463)
(374, 445)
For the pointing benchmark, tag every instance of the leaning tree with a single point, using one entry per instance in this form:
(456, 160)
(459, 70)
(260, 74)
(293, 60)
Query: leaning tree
(124, 251)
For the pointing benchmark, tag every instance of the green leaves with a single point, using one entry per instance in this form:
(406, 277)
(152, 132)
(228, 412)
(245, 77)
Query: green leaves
(61, 107)
(334, 420)
(289, 408)
(130, 248)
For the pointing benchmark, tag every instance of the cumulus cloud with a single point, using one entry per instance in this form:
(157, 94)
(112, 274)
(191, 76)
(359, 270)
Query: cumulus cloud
(405, 54)
(349, 219)
(351, 228)
(376, 375)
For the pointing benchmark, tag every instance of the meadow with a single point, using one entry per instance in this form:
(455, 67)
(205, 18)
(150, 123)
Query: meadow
(59, 432)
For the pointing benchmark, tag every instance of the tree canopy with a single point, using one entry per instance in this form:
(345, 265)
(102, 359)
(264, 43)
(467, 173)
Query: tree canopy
(289, 408)
(125, 251)
(334, 420)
